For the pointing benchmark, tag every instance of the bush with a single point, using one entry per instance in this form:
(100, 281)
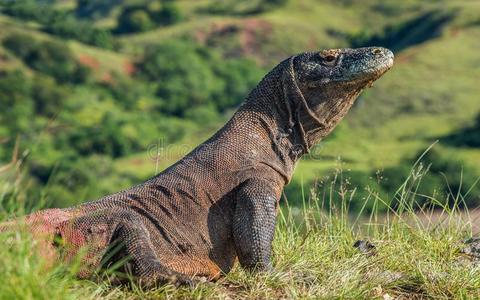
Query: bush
(169, 14)
(231, 7)
(185, 79)
(58, 22)
(22, 45)
(141, 18)
(94, 9)
(75, 180)
(48, 96)
(134, 19)
(398, 36)
(29, 10)
(240, 76)
(69, 27)
(128, 93)
(189, 76)
(16, 103)
(105, 138)
(49, 57)
(54, 59)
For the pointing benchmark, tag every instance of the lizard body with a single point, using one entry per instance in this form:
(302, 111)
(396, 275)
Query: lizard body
(218, 204)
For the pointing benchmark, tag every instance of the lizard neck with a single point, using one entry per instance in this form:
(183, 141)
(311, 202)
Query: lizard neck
(266, 117)
(276, 116)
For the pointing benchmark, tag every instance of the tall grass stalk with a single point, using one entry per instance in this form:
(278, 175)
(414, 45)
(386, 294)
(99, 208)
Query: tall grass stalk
(417, 253)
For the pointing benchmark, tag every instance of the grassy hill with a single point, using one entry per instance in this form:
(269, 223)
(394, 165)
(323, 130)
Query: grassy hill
(430, 93)
(98, 97)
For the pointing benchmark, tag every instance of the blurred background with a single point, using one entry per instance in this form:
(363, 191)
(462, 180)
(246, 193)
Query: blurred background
(99, 95)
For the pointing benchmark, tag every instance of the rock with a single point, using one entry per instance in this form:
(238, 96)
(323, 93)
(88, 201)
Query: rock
(365, 247)
(472, 248)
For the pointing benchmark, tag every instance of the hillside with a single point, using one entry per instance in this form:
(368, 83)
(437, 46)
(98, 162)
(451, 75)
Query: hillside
(99, 95)
(431, 93)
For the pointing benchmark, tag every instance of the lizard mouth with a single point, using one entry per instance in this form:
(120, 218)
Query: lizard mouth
(367, 72)
(374, 67)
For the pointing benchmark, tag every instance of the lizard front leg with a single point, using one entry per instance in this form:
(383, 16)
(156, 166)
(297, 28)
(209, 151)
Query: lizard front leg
(254, 223)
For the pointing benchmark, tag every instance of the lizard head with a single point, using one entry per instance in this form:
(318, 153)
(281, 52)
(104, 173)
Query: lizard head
(349, 69)
(322, 86)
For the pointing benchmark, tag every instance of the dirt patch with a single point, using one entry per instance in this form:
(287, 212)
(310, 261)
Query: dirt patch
(107, 78)
(89, 62)
(253, 34)
(129, 68)
(439, 218)
(239, 38)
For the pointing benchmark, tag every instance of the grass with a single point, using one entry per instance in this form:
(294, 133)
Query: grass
(416, 256)
(313, 252)
(430, 92)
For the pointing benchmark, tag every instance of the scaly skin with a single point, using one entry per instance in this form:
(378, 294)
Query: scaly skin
(219, 202)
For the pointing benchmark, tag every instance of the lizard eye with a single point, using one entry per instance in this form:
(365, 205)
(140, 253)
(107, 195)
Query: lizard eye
(329, 59)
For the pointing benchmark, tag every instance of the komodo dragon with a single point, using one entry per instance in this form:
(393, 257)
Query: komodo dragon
(218, 202)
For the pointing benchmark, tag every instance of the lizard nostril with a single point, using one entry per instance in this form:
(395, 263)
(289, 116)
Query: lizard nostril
(376, 51)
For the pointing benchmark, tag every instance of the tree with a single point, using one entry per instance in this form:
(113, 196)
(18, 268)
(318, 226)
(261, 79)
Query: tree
(16, 103)
(169, 14)
(22, 45)
(185, 79)
(134, 19)
(49, 57)
(240, 76)
(48, 96)
(54, 59)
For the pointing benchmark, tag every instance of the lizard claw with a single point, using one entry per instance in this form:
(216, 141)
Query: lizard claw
(186, 281)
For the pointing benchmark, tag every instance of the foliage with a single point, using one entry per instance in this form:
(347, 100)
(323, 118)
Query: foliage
(141, 18)
(94, 9)
(68, 27)
(189, 76)
(134, 19)
(48, 96)
(169, 14)
(48, 57)
(58, 22)
(239, 8)
(15, 98)
(107, 137)
(398, 36)
(466, 137)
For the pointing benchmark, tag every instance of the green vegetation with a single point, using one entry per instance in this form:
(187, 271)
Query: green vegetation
(48, 57)
(183, 67)
(466, 137)
(142, 18)
(96, 96)
(404, 34)
(190, 76)
(417, 255)
(244, 8)
(57, 22)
